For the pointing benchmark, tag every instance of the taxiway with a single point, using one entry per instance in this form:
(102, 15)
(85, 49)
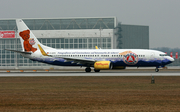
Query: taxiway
(82, 73)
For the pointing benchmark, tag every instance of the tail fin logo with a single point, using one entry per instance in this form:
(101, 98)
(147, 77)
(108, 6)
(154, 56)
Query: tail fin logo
(32, 41)
(28, 42)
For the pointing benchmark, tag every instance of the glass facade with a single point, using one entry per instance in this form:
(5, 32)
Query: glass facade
(61, 24)
(7, 24)
(76, 43)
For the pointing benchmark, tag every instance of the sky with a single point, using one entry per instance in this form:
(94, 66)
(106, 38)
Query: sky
(162, 16)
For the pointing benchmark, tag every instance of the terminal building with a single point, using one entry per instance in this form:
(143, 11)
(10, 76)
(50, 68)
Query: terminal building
(69, 33)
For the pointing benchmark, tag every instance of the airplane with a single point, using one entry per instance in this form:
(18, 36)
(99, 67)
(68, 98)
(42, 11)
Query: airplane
(99, 59)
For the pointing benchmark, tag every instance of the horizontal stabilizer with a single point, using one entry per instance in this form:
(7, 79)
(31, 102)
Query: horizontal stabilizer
(18, 51)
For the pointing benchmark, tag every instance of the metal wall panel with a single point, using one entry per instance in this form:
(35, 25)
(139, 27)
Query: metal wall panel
(135, 37)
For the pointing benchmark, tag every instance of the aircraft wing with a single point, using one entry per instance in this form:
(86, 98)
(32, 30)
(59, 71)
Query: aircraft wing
(88, 62)
(79, 60)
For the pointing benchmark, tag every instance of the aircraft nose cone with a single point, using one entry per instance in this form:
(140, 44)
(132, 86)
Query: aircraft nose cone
(171, 59)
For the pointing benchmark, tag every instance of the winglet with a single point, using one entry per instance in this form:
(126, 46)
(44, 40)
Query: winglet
(96, 47)
(42, 51)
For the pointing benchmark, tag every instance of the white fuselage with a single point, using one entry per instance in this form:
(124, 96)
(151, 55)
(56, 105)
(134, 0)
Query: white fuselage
(119, 57)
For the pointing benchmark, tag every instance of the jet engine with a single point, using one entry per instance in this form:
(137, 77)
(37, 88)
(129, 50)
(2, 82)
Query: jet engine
(103, 65)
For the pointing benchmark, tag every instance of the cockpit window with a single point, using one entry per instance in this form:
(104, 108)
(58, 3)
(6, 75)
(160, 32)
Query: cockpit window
(163, 55)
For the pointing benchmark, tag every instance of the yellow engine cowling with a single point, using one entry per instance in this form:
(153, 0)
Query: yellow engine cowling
(100, 65)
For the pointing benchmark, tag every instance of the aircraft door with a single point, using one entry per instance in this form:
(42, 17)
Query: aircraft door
(152, 56)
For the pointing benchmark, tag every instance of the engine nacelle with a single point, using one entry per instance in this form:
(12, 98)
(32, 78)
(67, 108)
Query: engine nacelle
(102, 65)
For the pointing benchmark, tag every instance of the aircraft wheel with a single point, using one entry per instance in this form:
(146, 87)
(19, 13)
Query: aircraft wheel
(96, 70)
(156, 70)
(88, 69)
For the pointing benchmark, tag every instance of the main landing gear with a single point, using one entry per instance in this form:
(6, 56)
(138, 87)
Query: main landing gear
(88, 69)
(156, 70)
(96, 70)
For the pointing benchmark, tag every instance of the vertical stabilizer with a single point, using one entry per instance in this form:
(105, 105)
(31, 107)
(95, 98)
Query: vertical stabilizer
(28, 41)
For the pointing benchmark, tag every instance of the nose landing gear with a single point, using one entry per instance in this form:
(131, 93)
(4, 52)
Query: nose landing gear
(156, 70)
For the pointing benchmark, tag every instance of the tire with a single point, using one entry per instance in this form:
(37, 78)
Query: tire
(96, 70)
(156, 70)
(88, 69)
